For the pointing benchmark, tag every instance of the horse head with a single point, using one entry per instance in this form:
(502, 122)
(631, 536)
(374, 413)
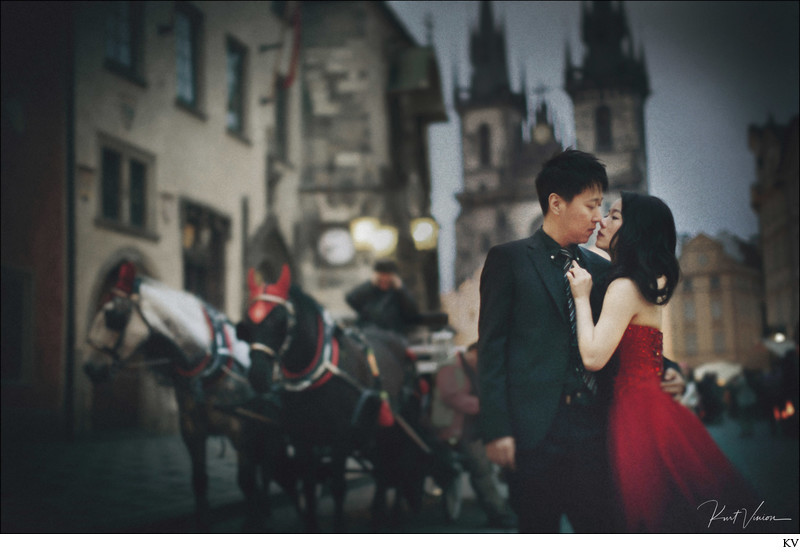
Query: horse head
(267, 326)
(118, 329)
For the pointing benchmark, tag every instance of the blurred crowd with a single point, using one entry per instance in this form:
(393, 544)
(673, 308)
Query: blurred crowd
(750, 396)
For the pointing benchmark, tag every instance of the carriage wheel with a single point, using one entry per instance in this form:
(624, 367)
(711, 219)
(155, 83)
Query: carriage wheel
(452, 496)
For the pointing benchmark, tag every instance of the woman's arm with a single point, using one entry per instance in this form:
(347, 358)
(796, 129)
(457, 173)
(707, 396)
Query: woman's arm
(621, 303)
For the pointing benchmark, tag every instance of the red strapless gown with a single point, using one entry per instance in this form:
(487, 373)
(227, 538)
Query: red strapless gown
(664, 461)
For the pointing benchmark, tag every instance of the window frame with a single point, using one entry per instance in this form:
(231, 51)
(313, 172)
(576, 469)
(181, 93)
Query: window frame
(234, 45)
(485, 145)
(196, 20)
(128, 155)
(204, 266)
(716, 309)
(719, 342)
(604, 134)
(134, 70)
(690, 344)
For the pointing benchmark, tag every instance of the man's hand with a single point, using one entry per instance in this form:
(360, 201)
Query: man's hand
(673, 383)
(397, 282)
(502, 451)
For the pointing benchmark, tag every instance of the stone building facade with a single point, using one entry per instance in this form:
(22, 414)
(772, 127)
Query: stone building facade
(195, 139)
(163, 141)
(774, 198)
(716, 311)
(369, 93)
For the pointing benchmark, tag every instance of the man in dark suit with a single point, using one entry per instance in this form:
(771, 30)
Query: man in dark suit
(543, 417)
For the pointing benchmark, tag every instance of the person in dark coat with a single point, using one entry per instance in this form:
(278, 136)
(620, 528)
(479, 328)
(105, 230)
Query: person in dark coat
(384, 301)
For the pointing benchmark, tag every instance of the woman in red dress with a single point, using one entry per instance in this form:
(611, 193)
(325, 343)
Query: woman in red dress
(669, 472)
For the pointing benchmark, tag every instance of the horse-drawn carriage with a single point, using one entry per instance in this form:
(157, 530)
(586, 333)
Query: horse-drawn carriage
(299, 398)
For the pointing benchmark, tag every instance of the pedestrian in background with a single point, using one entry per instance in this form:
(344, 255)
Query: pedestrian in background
(456, 386)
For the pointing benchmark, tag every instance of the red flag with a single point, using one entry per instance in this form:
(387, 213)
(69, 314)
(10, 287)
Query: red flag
(289, 78)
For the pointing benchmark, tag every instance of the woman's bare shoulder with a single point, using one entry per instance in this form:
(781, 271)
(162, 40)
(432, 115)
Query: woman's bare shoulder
(623, 286)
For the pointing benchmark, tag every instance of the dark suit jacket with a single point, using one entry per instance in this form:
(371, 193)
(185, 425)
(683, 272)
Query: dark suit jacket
(523, 352)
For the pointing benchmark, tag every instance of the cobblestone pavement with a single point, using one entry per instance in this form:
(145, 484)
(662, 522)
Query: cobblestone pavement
(106, 485)
(141, 484)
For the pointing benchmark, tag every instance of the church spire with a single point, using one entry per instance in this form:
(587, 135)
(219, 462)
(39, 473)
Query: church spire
(488, 57)
(609, 61)
(486, 22)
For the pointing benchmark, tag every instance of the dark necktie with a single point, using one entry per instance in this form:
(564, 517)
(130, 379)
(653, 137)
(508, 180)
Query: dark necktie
(566, 257)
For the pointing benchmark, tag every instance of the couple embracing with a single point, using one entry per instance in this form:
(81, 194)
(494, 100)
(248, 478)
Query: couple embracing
(575, 403)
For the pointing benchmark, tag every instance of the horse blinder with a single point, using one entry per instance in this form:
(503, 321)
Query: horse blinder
(244, 332)
(118, 315)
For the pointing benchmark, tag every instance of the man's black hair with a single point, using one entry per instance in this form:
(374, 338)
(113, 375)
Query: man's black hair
(386, 266)
(568, 174)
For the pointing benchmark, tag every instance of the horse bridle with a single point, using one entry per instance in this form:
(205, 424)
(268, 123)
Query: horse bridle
(131, 303)
(287, 341)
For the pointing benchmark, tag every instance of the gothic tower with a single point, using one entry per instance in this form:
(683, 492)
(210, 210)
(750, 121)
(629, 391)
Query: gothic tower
(498, 202)
(608, 94)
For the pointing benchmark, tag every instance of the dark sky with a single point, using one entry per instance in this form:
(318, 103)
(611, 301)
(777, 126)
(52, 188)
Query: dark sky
(715, 68)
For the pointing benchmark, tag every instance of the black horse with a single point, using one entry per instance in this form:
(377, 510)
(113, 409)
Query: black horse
(193, 348)
(342, 396)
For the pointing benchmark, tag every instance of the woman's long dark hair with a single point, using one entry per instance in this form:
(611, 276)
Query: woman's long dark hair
(643, 249)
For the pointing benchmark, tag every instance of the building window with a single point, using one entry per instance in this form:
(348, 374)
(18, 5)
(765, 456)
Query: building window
(236, 59)
(484, 143)
(688, 310)
(716, 309)
(603, 128)
(719, 342)
(687, 284)
(691, 344)
(126, 188)
(204, 233)
(124, 32)
(188, 38)
(715, 282)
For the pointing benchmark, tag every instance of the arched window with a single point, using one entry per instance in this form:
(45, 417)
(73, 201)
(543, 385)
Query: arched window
(603, 128)
(484, 145)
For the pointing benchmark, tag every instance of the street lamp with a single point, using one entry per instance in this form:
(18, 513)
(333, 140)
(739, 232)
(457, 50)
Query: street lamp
(384, 241)
(362, 230)
(425, 232)
(370, 235)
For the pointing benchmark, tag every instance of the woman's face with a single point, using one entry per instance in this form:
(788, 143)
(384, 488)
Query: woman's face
(611, 223)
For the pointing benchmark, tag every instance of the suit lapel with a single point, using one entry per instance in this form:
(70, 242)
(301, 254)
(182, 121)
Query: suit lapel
(549, 273)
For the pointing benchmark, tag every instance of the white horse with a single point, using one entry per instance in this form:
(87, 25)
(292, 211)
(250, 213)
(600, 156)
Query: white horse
(196, 349)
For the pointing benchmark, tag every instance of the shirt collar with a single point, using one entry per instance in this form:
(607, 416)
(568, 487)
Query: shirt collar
(553, 248)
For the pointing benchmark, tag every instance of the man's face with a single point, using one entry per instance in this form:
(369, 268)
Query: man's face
(384, 280)
(579, 218)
